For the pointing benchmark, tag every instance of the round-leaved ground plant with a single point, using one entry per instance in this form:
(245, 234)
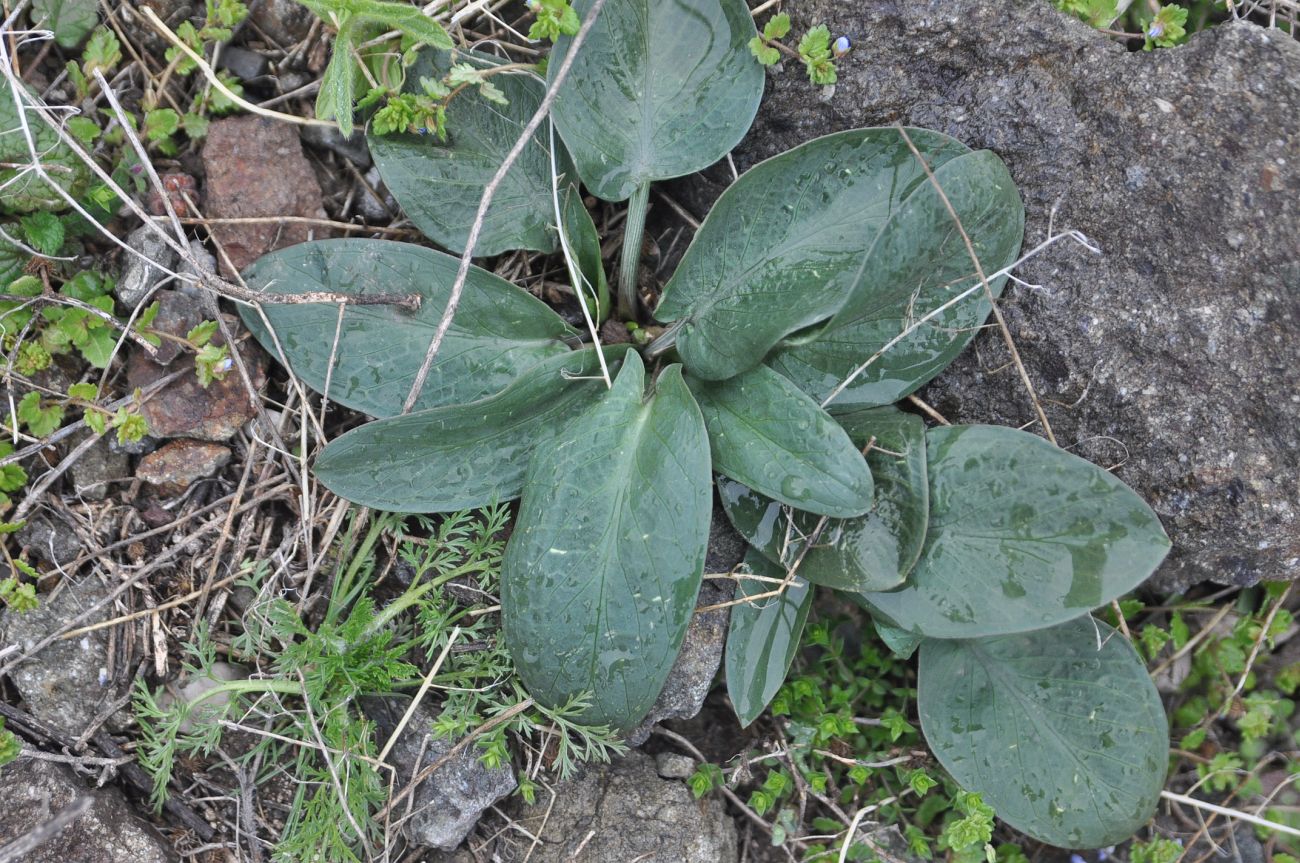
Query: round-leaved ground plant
(828, 283)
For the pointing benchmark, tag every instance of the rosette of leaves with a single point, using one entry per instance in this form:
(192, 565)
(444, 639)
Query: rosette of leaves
(827, 283)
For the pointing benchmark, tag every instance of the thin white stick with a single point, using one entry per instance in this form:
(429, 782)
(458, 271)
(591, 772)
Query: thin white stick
(419, 695)
(978, 286)
(208, 73)
(1230, 813)
(576, 275)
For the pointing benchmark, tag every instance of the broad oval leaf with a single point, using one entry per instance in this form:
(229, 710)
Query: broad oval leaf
(871, 552)
(763, 638)
(782, 247)
(601, 575)
(1061, 730)
(456, 457)
(499, 331)
(658, 90)
(917, 264)
(439, 184)
(1022, 536)
(764, 432)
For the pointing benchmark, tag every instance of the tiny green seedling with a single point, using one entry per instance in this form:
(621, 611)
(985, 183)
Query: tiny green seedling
(826, 284)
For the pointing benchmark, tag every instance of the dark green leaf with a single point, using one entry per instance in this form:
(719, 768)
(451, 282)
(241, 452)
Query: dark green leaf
(602, 572)
(584, 242)
(917, 263)
(461, 456)
(658, 90)
(24, 191)
(1022, 536)
(764, 432)
(901, 644)
(70, 20)
(871, 552)
(764, 637)
(1060, 730)
(439, 184)
(782, 248)
(498, 331)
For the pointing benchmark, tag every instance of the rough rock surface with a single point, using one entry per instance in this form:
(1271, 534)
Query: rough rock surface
(691, 676)
(255, 167)
(184, 408)
(284, 21)
(449, 803)
(62, 684)
(630, 814)
(50, 539)
(1174, 352)
(93, 472)
(139, 275)
(107, 833)
(176, 466)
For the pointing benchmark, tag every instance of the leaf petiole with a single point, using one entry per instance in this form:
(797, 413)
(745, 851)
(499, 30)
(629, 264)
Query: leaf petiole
(633, 230)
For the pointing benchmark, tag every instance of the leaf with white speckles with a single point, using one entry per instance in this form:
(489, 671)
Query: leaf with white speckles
(782, 248)
(872, 552)
(659, 89)
(917, 264)
(766, 433)
(498, 333)
(603, 569)
(439, 183)
(456, 457)
(1022, 535)
(763, 638)
(1061, 730)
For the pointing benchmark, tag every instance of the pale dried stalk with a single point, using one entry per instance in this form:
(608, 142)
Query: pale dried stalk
(489, 191)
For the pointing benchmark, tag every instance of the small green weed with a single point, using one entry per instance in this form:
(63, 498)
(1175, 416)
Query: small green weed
(1159, 26)
(308, 677)
(844, 741)
(816, 50)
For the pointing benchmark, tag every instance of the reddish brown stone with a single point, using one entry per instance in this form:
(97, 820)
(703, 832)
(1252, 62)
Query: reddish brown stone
(255, 167)
(181, 189)
(176, 466)
(185, 409)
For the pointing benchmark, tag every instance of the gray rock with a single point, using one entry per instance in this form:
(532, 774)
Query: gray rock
(96, 468)
(108, 832)
(1173, 353)
(726, 547)
(354, 149)
(242, 63)
(447, 804)
(206, 266)
(139, 277)
(283, 21)
(373, 202)
(64, 685)
(620, 812)
(50, 540)
(670, 765)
